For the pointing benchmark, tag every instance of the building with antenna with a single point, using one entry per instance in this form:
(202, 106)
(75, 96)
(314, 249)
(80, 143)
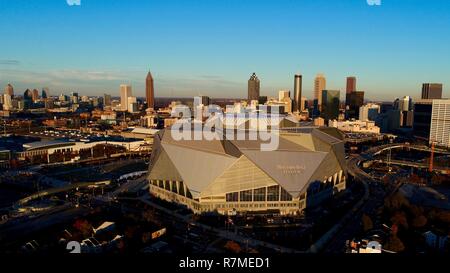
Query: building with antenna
(150, 91)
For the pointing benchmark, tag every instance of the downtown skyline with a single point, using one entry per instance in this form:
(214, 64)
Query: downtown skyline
(384, 50)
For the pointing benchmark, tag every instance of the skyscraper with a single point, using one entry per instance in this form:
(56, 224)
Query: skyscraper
(49, 103)
(95, 101)
(354, 101)
(298, 93)
(74, 97)
(405, 107)
(254, 86)
(351, 84)
(7, 102)
(440, 123)
(35, 95)
(262, 100)
(45, 94)
(27, 99)
(320, 84)
(330, 104)
(284, 99)
(125, 93)
(150, 91)
(9, 90)
(369, 112)
(422, 118)
(205, 100)
(201, 104)
(132, 105)
(351, 87)
(432, 91)
(315, 109)
(407, 119)
(284, 94)
(62, 98)
(106, 100)
(303, 103)
(406, 104)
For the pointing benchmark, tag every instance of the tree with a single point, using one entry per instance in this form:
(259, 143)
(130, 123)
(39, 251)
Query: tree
(367, 223)
(400, 219)
(84, 227)
(130, 232)
(233, 247)
(394, 244)
(415, 179)
(148, 215)
(419, 221)
(443, 216)
(396, 201)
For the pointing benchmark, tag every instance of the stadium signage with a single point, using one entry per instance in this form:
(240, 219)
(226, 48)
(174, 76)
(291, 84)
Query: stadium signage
(292, 169)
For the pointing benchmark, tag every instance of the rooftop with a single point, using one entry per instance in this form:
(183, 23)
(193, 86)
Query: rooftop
(47, 144)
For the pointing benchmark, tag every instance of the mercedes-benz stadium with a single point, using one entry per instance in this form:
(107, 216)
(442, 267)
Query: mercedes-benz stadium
(235, 176)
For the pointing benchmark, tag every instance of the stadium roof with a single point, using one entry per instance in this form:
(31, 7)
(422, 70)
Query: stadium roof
(301, 157)
(46, 144)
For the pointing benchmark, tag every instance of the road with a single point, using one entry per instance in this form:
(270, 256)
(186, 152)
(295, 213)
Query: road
(16, 231)
(375, 195)
(372, 200)
(379, 149)
(67, 188)
(228, 235)
(418, 165)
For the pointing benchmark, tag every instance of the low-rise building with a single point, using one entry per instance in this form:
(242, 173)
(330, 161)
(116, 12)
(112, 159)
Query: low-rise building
(369, 111)
(319, 122)
(5, 158)
(55, 123)
(49, 148)
(356, 126)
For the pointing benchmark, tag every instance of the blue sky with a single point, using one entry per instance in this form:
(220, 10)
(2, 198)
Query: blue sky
(211, 47)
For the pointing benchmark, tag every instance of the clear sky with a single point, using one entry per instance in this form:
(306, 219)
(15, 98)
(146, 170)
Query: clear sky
(211, 47)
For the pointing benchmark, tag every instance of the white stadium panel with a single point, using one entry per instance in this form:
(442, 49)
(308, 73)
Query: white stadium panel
(197, 168)
(291, 170)
(241, 176)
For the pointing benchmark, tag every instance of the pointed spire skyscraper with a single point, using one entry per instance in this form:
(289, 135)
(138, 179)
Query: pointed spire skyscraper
(150, 91)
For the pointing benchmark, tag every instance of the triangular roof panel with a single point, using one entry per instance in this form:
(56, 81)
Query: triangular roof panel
(164, 168)
(198, 168)
(292, 170)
